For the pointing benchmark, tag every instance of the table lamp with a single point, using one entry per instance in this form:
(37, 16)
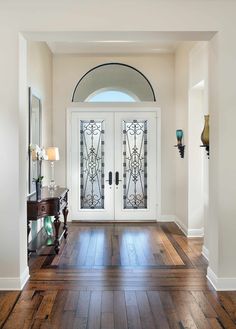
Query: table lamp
(53, 155)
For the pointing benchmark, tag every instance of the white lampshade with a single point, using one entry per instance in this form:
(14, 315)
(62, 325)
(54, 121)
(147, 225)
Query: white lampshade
(53, 153)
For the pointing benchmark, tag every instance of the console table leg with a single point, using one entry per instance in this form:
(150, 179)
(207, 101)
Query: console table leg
(65, 214)
(57, 224)
(28, 232)
(28, 229)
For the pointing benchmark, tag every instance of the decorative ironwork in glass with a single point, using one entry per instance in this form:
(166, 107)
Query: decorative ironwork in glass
(135, 164)
(92, 164)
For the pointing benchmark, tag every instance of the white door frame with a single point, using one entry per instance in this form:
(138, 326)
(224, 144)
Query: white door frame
(115, 107)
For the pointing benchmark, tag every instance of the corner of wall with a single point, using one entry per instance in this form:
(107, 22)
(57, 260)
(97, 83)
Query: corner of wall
(15, 283)
(221, 284)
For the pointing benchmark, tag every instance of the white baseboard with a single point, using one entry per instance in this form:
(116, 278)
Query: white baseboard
(190, 233)
(182, 227)
(16, 283)
(205, 252)
(166, 218)
(221, 284)
(195, 233)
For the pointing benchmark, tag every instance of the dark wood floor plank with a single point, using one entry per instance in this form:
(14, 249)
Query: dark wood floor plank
(145, 311)
(223, 316)
(214, 323)
(133, 258)
(58, 308)
(98, 261)
(182, 304)
(107, 316)
(7, 302)
(170, 310)
(157, 310)
(83, 304)
(228, 304)
(85, 237)
(124, 256)
(120, 316)
(80, 323)
(133, 315)
(45, 308)
(204, 304)
(81, 316)
(71, 301)
(94, 318)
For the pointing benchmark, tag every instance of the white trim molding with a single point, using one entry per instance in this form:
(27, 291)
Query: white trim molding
(15, 283)
(190, 233)
(166, 218)
(221, 284)
(195, 233)
(205, 252)
(182, 227)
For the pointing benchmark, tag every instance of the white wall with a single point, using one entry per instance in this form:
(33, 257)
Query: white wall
(181, 108)
(198, 159)
(195, 162)
(39, 69)
(191, 105)
(159, 69)
(170, 15)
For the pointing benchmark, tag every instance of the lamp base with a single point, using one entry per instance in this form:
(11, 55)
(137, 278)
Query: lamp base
(52, 185)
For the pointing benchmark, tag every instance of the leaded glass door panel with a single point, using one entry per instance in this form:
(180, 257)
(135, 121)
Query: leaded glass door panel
(92, 146)
(135, 161)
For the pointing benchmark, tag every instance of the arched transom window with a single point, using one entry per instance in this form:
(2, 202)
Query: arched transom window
(113, 82)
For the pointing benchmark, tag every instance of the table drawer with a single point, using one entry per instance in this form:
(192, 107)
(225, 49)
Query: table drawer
(43, 209)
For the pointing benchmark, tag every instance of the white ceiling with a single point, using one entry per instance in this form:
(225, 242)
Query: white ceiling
(112, 47)
(124, 42)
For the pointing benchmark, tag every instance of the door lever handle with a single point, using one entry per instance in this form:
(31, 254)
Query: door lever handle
(117, 180)
(109, 178)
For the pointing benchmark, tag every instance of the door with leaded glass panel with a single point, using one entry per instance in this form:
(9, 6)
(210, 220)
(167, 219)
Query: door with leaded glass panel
(113, 165)
(135, 165)
(92, 164)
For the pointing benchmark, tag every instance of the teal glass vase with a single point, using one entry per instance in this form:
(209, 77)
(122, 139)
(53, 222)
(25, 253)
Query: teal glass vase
(47, 223)
(179, 136)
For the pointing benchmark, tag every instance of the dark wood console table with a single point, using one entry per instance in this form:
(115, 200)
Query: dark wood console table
(52, 203)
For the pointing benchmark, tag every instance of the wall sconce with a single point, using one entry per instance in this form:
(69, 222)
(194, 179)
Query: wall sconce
(205, 135)
(181, 147)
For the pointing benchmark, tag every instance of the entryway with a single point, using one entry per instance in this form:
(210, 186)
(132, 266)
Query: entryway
(113, 162)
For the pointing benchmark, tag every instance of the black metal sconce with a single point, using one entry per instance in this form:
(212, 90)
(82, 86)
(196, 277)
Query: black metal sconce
(181, 147)
(207, 147)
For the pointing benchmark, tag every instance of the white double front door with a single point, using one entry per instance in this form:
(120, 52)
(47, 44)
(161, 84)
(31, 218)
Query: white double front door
(112, 160)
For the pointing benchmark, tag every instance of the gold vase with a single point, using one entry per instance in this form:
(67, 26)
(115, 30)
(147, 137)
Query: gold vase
(205, 132)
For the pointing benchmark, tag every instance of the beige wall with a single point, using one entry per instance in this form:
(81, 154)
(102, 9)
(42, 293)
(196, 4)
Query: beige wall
(39, 76)
(192, 197)
(40, 81)
(159, 70)
(181, 108)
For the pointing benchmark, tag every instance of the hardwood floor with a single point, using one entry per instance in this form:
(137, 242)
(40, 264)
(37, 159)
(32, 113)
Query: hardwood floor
(120, 276)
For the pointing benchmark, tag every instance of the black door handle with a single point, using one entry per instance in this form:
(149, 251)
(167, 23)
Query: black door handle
(109, 178)
(117, 180)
